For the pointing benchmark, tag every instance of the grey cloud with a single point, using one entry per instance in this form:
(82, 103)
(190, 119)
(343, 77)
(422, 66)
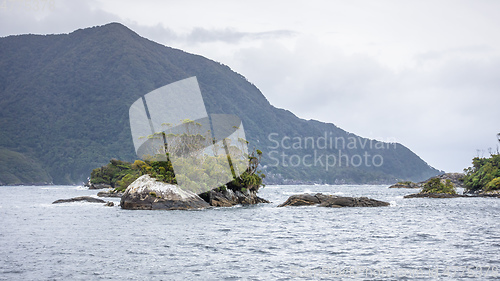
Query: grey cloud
(158, 33)
(67, 16)
(443, 113)
(199, 35)
(466, 50)
(64, 17)
(203, 35)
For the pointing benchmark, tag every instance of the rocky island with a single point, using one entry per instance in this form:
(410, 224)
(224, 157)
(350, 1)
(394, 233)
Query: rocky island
(147, 193)
(455, 179)
(151, 185)
(480, 180)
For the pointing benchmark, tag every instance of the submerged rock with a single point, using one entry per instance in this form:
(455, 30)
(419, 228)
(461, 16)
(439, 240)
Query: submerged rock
(331, 201)
(228, 198)
(146, 193)
(80, 198)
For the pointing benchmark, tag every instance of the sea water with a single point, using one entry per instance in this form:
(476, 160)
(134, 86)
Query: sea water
(412, 239)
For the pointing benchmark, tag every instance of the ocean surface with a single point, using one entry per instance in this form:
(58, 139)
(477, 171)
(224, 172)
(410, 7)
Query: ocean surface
(413, 239)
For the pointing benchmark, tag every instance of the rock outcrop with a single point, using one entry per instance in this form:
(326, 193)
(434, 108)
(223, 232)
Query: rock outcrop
(80, 198)
(407, 184)
(99, 186)
(147, 193)
(110, 193)
(455, 179)
(434, 195)
(228, 198)
(331, 201)
(90, 185)
(446, 195)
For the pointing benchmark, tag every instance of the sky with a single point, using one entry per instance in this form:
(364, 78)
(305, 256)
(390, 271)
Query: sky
(423, 73)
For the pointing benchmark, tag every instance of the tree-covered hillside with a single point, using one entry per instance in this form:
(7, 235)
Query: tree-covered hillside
(484, 175)
(64, 102)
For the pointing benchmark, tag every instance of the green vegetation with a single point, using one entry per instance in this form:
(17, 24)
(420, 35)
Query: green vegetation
(17, 168)
(120, 174)
(251, 179)
(405, 182)
(436, 186)
(484, 175)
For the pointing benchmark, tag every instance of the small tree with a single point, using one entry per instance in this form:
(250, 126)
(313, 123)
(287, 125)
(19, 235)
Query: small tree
(436, 186)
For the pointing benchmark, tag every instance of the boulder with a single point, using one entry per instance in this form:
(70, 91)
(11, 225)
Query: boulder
(301, 200)
(228, 198)
(109, 204)
(80, 198)
(331, 201)
(146, 193)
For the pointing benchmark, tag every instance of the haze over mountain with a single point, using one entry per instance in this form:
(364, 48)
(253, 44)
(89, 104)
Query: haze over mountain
(64, 103)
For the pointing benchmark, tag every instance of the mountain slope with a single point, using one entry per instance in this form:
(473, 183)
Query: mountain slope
(65, 99)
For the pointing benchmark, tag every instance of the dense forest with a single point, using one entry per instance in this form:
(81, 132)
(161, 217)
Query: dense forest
(484, 175)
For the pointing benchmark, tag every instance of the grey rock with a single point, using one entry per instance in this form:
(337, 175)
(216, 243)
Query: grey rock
(445, 195)
(301, 200)
(110, 193)
(147, 193)
(331, 201)
(99, 186)
(455, 179)
(228, 198)
(80, 198)
(406, 185)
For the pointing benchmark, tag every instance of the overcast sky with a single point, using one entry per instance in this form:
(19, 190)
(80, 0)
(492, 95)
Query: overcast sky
(425, 73)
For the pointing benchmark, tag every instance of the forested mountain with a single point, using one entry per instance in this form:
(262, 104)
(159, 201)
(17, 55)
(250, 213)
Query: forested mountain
(64, 102)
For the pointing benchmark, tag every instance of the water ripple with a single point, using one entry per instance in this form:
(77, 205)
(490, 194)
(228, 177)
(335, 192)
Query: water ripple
(84, 241)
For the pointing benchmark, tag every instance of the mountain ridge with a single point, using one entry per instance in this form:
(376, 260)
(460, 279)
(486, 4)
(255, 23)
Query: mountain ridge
(69, 94)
